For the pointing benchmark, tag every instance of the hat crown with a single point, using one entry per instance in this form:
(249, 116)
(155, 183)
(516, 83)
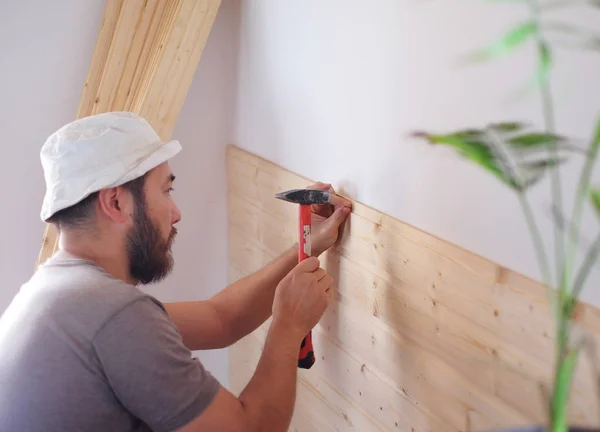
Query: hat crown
(96, 152)
(95, 141)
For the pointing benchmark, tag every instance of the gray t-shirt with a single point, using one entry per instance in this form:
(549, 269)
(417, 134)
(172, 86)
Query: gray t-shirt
(83, 351)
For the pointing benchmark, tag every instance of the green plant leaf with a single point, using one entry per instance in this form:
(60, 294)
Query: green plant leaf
(532, 172)
(595, 198)
(503, 149)
(510, 41)
(468, 145)
(544, 64)
(464, 142)
(518, 138)
(596, 139)
(594, 43)
(531, 142)
(535, 139)
(507, 126)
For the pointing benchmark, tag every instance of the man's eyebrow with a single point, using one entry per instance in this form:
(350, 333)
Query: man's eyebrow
(171, 178)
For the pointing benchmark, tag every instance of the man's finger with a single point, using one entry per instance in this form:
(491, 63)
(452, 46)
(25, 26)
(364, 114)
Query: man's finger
(319, 186)
(337, 218)
(339, 201)
(336, 199)
(326, 210)
(330, 294)
(320, 273)
(310, 264)
(326, 283)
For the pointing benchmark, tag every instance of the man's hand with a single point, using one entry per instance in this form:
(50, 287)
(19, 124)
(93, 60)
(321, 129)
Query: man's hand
(328, 219)
(302, 297)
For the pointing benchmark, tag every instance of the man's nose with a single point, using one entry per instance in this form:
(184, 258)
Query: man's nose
(175, 215)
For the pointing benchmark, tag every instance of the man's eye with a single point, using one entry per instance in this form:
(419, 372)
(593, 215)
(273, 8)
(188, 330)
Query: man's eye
(170, 190)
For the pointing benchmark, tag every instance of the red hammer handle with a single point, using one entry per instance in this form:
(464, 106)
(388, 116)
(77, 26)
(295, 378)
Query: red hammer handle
(304, 231)
(306, 356)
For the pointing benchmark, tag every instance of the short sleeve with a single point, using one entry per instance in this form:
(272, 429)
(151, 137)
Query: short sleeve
(150, 370)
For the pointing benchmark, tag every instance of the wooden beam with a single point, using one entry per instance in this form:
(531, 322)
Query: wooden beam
(423, 335)
(144, 61)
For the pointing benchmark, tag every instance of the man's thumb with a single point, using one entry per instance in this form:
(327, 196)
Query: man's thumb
(338, 216)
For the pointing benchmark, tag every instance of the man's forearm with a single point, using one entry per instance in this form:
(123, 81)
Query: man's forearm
(267, 401)
(269, 397)
(234, 312)
(247, 303)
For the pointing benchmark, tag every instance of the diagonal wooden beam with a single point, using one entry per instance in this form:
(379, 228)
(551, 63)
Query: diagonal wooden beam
(144, 61)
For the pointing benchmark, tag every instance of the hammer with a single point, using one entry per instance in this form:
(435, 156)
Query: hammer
(305, 198)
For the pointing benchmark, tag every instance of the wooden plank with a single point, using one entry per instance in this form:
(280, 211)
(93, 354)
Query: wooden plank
(352, 341)
(317, 398)
(423, 335)
(144, 61)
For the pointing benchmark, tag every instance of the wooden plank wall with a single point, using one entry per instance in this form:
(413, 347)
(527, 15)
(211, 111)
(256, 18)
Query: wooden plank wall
(423, 335)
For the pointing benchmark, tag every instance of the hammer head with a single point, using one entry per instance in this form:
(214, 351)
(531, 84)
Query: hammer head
(305, 196)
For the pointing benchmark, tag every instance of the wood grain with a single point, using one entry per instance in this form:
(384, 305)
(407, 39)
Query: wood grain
(423, 335)
(144, 61)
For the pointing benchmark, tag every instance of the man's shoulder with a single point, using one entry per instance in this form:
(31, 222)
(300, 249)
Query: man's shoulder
(73, 292)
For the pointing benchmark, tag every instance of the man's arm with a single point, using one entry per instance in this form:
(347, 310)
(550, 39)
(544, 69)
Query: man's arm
(267, 402)
(234, 312)
(243, 306)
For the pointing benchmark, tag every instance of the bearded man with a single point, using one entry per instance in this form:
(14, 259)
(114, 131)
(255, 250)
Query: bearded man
(83, 348)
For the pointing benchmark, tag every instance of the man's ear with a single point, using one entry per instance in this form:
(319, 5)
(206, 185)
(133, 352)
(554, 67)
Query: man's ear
(115, 204)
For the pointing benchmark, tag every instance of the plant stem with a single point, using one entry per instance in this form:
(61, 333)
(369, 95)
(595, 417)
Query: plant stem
(590, 259)
(539, 249)
(548, 114)
(566, 360)
(559, 412)
(555, 178)
(580, 197)
(583, 187)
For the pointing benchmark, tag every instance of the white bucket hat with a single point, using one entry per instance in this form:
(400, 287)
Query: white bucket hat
(98, 152)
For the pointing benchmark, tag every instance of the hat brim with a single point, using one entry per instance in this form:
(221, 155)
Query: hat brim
(162, 154)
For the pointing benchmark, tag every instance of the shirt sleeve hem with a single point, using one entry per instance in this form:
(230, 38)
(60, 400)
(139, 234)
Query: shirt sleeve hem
(202, 401)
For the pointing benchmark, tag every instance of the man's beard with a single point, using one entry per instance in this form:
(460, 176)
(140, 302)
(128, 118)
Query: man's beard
(150, 257)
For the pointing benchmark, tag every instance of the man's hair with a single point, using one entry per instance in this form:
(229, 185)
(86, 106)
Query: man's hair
(81, 215)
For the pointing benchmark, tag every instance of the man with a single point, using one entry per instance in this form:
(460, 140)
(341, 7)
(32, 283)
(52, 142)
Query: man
(82, 348)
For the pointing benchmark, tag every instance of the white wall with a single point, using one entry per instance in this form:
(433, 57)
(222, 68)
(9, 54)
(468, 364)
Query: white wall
(331, 90)
(46, 50)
